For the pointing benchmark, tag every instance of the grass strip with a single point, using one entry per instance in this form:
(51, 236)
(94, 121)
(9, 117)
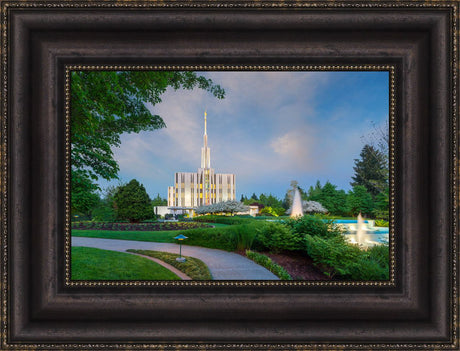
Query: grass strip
(267, 262)
(158, 237)
(193, 267)
(88, 263)
(166, 236)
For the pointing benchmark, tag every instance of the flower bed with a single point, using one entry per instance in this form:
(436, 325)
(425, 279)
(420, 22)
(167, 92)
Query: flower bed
(151, 227)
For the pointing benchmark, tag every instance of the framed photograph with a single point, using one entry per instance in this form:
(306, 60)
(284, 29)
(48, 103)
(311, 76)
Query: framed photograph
(329, 125)
(229, 175)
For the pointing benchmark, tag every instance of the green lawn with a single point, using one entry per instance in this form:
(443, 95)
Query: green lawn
(159, 237)
(88, 263)
(218, 225)
(166, 236)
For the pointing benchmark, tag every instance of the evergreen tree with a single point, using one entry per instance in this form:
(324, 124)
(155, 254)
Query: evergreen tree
(371, 170)
(359, 200)
(314, 192)
(273, 201)
(286, 204)
(263, 199)
(334, 200)
(382, 205)
(133, 203)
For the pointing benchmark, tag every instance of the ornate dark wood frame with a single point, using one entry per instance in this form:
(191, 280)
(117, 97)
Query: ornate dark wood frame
(40, 311)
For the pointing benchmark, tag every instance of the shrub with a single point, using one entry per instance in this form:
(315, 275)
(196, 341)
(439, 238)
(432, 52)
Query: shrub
(380, 254)
(365, 268)
(269, 264)
(336, 257)
(381, 223)
(104, 212)
(269, 211)
(332, 254)
(235, 237)
(382, 214)
(314, 226)
(245, 235)
(218, 238)
(280, 211)
(276, 236)
(373, 264)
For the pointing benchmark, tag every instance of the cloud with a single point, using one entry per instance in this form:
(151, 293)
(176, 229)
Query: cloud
(271, 127)
(267, 91)
(296, 150)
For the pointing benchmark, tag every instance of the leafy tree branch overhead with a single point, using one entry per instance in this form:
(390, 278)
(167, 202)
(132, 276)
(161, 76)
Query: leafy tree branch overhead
(106, 104)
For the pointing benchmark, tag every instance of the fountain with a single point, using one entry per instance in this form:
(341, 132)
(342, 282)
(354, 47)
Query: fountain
(296, 209)
(360, 236)
(363, 232)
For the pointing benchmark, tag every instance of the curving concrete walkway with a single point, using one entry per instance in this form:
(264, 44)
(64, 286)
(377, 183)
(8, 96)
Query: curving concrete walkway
(223, 265)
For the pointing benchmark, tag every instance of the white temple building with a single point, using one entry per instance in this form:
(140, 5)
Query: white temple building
(204, 187)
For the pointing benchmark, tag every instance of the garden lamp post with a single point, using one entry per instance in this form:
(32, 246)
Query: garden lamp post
(180, 237)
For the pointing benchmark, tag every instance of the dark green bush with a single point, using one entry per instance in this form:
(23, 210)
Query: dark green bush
(366, 268)
(275, 236)
(104, 212)
(380, 254)
(218, 238)
(382, 214)
(337, 257)
(245, 234)
(332, 254)
(314, 226)
(235, 237)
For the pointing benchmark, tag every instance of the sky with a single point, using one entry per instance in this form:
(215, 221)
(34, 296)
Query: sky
(271, 128)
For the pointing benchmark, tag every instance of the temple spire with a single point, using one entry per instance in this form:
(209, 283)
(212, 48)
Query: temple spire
(205, 114)
(205, 152)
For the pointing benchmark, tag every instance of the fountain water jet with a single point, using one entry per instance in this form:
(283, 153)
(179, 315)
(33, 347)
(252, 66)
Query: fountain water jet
(296, 209)
(360, 236)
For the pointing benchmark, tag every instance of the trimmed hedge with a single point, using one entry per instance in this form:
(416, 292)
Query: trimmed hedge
(230, 220)
(267, 262)
(151, 227)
